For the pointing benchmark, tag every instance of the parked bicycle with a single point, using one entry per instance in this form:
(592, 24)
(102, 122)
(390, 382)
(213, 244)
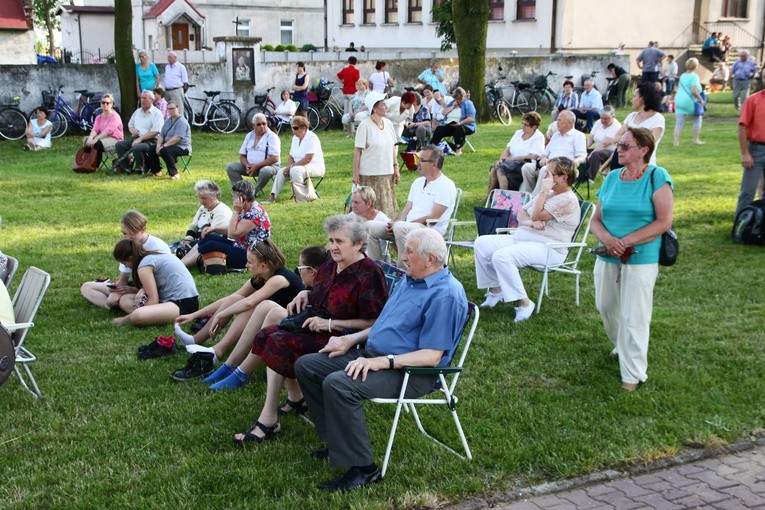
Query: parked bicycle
(317, 100)
(521, 98)
(583, 79)
(13, 121)
(263, 104)
(221, 115)
(331, 110)
(61, 114)
(542, 92)
(500, 108)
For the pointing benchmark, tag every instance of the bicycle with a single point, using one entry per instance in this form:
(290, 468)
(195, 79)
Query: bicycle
(521, 97)
(263, 104)
(222, 115)
(61, 114)
(13, 121)
(593, 74)
(542, 92)
(331, 110)
(500, 108)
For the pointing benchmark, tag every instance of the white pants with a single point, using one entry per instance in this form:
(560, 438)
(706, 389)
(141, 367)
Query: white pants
(379, 231)
(624, 298)
(499, 258)
(297, 174)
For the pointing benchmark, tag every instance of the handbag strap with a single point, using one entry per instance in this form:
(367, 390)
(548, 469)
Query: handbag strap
(688, 90)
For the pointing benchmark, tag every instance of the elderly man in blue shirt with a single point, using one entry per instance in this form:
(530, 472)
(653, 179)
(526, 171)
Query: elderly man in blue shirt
(420, 325)
(433, 76)
(461, 128)
(743, 71)
(590, 104)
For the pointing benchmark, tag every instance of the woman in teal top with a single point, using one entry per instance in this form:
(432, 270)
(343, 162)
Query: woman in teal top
(146, 73)
(688, 94)
(634, 209)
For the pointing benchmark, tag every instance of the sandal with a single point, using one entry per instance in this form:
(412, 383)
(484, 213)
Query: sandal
(268, 433)
(299, 407)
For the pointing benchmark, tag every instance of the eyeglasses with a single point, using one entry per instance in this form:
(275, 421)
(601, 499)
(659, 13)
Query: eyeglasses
(106, 102)
(525, 124)
(625, 146)
(295, 128)
(172, 107)
(300, 268)
(427, 160)
(261, 124)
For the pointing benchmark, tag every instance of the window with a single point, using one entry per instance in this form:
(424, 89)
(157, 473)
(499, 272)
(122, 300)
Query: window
(415, 11)
(734, 8)
(286, 31)
(527, 9)
(391, 11)
(347, 12)
(369, 12)
(243, 27)
(496, 10)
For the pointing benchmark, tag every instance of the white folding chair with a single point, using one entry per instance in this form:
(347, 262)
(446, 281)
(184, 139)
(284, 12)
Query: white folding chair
(449, 232)
(443, 394)
(26, 302)
(8, 267)
(575, 249)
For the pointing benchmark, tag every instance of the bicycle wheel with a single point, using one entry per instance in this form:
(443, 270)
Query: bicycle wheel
(234, 115)
(313, 118)
(326, 114)
(502, 112)
(224, 118)
(250, 115)
(526, 102)
(544, 102)
(188, 112)
(13, 124)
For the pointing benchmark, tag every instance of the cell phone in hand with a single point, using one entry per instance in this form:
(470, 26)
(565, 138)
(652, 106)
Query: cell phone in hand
(111, 285)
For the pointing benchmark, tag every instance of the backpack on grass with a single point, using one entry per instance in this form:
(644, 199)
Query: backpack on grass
(748, 228)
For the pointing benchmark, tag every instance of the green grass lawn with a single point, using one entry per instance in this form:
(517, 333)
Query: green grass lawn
(540, 400)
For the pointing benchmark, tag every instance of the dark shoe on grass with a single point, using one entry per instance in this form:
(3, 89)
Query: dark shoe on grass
(353, 479)
(161, 346)
(200, 364)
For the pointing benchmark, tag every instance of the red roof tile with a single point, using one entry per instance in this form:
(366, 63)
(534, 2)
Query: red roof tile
(12, 15)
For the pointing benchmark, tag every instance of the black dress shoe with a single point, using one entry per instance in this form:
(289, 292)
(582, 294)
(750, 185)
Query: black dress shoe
(353, 479)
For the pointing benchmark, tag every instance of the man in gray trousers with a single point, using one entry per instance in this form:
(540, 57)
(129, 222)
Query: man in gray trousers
(420, 325)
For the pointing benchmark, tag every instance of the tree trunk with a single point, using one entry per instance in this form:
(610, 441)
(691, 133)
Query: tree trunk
(49, 27)
(471, 25)
(123, 53)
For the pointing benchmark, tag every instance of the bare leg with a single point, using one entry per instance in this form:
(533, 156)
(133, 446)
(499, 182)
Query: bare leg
(255, 324)
(190, 260)
(98, 293)
(502, 181)
(495, 180)
(293, 390)
(150, 315)
(268, 415)
(233, 333)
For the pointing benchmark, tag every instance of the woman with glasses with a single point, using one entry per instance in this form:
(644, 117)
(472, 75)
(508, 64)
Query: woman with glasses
(634, 209)
(212, 217)
(271, 286)
(526, 144)
(249, 224)
(306, 160)
(236, 371)
(375, 160)
(349, 293)
(107, 129)
(550, 217)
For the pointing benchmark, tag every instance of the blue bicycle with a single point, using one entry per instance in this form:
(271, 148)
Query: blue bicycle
(61, 114)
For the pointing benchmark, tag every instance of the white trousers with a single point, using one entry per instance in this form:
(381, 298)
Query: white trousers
(499, 258)
(297, 174)
(624, 298)
(379, 231)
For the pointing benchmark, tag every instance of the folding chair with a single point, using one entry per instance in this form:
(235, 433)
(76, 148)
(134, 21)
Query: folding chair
(26, 301)
(8, 267)
(315, 187)
(185, 161)
(393, 274)
(582, 178)
(449, 232)
(575, 249)
(442, 394)
(499, 199)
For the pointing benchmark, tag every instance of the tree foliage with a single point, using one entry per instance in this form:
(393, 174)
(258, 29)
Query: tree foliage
(470, 19)
(123, 52)
(442, 15)
(45, 15)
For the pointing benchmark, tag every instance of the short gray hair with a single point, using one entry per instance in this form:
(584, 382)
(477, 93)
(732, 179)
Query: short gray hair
(355, 229)
(259, 115)
(568, 114)
(608, 110)
(172, 53)
(367, 194)
(142, 52)
(433, 61)
(430, 243)
(208, 188)
(148, 93)
(436, 154)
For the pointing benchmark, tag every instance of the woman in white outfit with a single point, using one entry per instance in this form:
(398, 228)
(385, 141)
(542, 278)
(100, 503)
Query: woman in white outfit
(550, 217)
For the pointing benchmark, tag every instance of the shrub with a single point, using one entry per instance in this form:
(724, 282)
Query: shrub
(267, 47)
(280, 47)
(308, 47)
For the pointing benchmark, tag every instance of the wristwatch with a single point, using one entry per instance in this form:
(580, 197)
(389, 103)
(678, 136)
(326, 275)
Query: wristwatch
(390, 360)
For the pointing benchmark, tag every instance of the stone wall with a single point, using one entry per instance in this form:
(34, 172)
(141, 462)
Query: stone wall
(30, 81)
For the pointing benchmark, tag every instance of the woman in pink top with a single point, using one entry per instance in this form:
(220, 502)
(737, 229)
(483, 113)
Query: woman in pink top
(107, 129)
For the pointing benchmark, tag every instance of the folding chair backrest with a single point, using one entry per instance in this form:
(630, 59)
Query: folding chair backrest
(392, 274)
(505, 199)
(27, 299)
(449, 232)
(8, 267)
(582, 230)
(462, 346)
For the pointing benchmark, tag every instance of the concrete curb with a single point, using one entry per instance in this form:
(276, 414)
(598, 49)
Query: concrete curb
(684, 457)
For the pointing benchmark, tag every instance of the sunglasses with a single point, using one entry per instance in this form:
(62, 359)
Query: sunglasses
(106, 102)
(261, 124)
(625, 146)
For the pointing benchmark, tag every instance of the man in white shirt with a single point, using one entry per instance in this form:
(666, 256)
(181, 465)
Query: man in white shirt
(259, 155)
(590, 104)
(432, 196)
(145, 124)
(669, 75)
(566, 142)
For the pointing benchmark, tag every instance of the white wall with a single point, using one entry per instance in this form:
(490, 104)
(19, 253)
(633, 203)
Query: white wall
(17, 47)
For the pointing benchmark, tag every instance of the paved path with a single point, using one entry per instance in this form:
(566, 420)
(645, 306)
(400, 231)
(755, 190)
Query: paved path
(699, 479)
